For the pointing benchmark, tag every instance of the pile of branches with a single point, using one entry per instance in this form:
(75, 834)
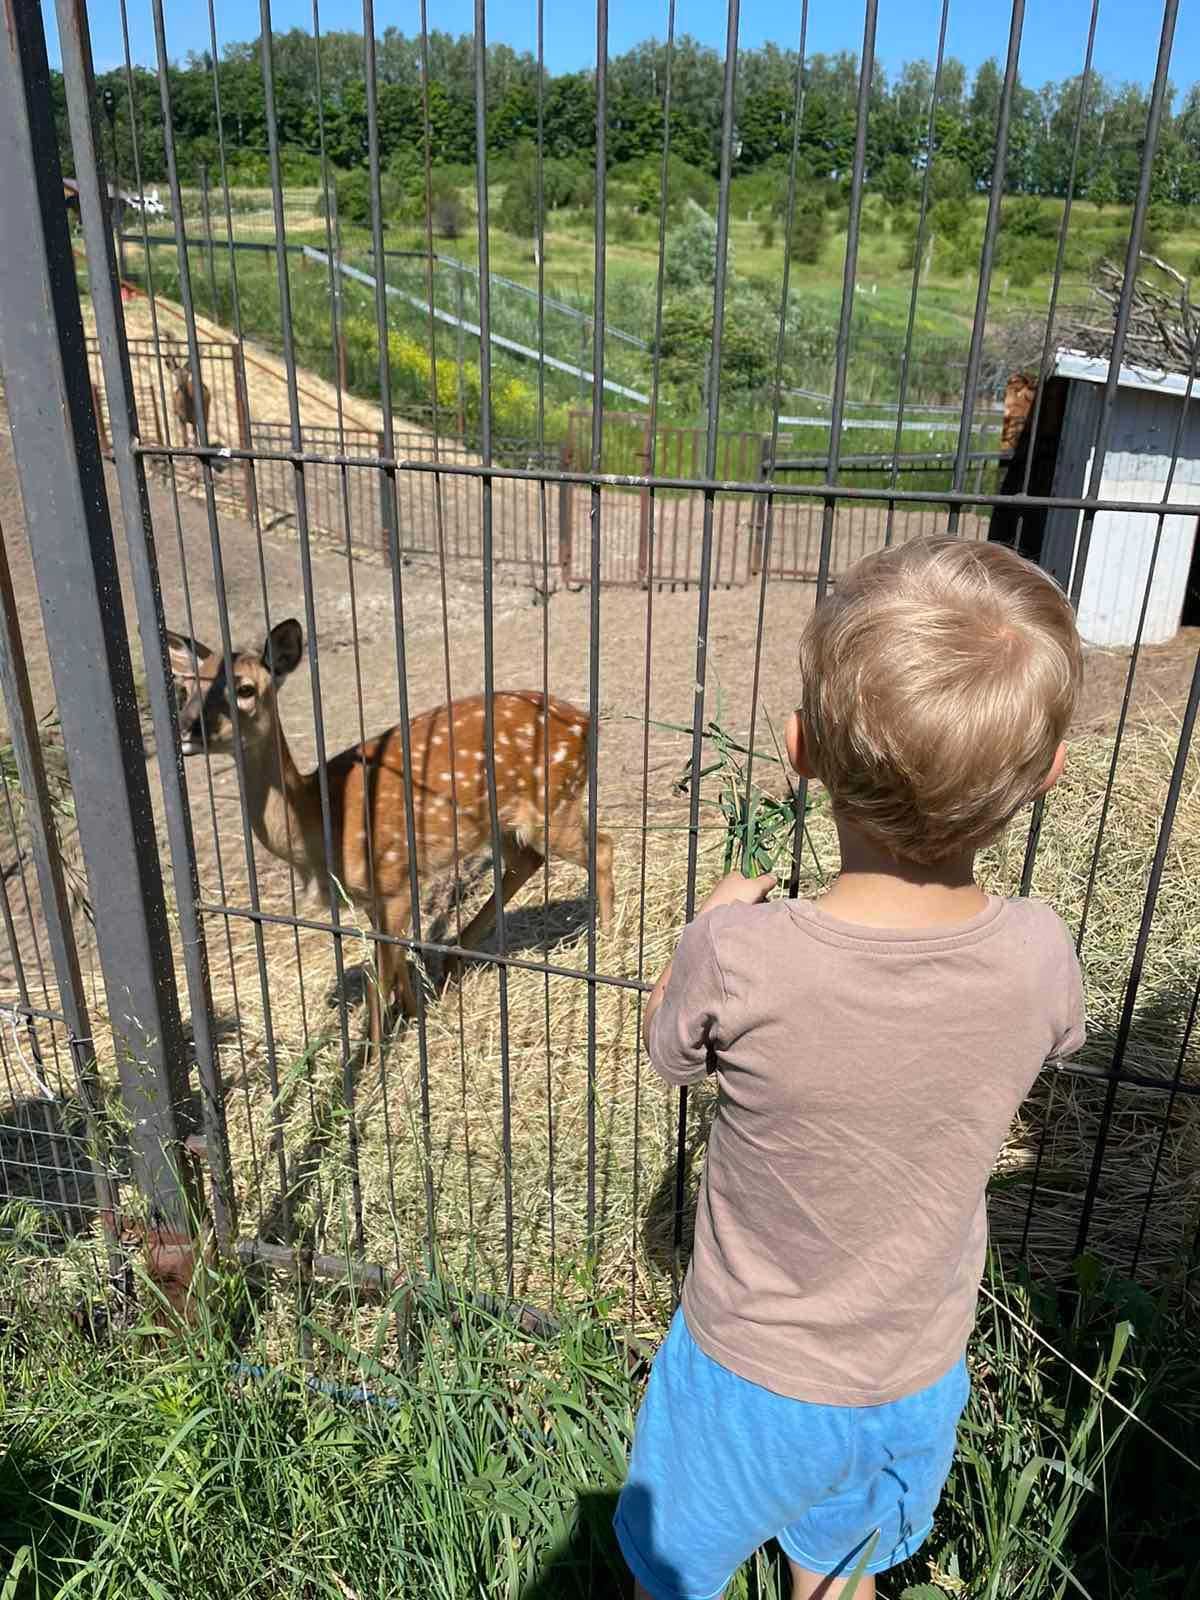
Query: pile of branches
(1164, 324)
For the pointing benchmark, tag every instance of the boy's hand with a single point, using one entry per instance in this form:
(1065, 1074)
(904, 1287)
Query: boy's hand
(734, 890)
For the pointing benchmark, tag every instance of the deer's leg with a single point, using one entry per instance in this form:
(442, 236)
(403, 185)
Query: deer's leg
(521, 861)
(568, 841)
(391, 976)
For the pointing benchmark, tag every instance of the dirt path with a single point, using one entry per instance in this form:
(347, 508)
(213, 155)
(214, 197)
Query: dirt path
(360, 628)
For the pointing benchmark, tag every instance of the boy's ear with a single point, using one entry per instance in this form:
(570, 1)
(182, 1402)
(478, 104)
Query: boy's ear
(1056, 770)
(797, 747)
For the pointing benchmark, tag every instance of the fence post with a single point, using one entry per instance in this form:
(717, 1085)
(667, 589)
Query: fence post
(44, 363)
(387, 504)
(758, 522)
(564, 516)
(56, 909)
(245, 437)
(646, 452)
(105, 447)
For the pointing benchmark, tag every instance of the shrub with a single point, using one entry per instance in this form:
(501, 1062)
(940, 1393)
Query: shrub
(449, 215)
(517, 212)
(747, 344)
(684, 183)
(810, 228)
(691, 256)
(896, 181)
(624, 225)
(1025, 217)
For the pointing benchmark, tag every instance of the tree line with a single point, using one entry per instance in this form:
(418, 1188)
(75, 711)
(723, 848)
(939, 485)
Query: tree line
(1042, 122)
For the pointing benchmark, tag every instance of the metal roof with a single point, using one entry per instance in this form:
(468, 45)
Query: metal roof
(1094, 369)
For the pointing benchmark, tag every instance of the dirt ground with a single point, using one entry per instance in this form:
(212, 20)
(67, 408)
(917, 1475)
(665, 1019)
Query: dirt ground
(353, 604)
(353, 607)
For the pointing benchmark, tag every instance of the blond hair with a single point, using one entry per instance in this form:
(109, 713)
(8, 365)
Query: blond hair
(938, 681)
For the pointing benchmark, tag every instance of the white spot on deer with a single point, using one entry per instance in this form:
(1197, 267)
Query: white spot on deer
(392, 855)
(577, 732)
(560, 755)
(502, 738)
(436, 741)
(445, 777)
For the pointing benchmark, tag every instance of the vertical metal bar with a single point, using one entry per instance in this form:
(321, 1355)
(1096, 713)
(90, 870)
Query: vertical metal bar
(837, 409)
(299, 490)
(1159, 96)
(158, 400)
(543, 492)
(770, 445)
(56, 907)
(214, 305)
(1176, 1082)
(651, 464)
(918, 250)
(706, 542)
(337, 338)
(410, 827)
(599, 299)
(79, 79)
(1125, 1026)
(990, 231)
(443, 592)
(227, 653)
(44, 363)
(489, 660)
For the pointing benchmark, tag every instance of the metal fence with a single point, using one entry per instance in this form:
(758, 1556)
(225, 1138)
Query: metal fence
(511, 1131)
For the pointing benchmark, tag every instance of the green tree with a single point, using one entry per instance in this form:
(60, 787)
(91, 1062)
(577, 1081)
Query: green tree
(1102, 190)
(810, 228)
(896, 181)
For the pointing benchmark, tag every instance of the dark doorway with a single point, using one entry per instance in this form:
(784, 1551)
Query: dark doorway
(1191, 597)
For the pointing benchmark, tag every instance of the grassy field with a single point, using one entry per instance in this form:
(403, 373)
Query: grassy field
(944, 308)
(460, 1457)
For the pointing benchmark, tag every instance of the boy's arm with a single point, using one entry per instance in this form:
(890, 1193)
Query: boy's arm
(733, 889)
(1072, 1032)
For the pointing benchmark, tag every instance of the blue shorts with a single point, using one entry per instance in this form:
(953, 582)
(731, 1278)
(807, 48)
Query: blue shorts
(720, 1465)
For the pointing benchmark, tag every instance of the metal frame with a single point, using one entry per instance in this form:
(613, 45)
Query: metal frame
(71, 538)
(465, 500)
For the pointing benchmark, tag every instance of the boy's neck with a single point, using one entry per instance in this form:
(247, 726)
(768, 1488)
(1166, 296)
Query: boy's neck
(876, 890)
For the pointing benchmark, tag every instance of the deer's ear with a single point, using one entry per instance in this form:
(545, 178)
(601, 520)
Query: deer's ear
(284, 648)
(186, 655)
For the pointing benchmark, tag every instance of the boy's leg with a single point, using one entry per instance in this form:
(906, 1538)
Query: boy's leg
(805, 1586)
(817, 1586)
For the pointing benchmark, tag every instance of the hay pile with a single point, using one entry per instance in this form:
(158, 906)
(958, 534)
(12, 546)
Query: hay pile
(635, 1116)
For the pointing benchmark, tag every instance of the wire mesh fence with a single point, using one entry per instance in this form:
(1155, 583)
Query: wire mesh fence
(372, 746)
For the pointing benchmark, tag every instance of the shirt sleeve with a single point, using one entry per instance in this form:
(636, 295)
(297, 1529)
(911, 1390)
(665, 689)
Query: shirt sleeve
(685, 1028)
(1073, 1020)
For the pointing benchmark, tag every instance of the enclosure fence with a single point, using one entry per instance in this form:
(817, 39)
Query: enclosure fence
(190, 967)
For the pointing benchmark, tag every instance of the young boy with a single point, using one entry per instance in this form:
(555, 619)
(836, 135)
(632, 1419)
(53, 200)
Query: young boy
(870, 1049)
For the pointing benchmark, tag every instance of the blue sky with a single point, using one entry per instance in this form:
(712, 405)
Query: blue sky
(1052, 46)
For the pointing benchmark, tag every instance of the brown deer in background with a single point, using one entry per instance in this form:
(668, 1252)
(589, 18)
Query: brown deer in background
(540, 761)
(183, 401)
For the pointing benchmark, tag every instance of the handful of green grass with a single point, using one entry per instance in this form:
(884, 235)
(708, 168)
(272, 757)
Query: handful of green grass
(759, 817)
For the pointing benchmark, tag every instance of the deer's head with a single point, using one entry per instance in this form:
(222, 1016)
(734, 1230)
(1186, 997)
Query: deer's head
(208, 699)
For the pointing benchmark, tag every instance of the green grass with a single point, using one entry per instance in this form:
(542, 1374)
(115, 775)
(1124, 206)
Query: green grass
(941, 334)
(488, 1461)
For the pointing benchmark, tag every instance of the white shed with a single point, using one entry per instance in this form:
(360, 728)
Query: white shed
(1136, 468)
